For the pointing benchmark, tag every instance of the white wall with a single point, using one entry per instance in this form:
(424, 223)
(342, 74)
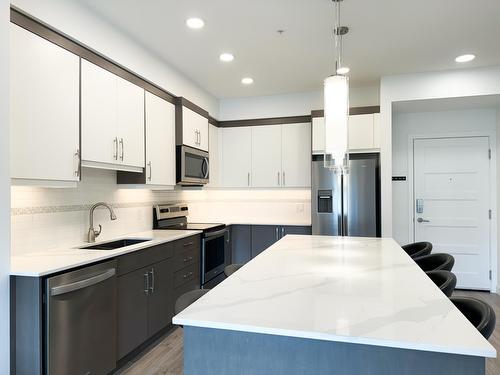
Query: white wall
(498, 187)
(79, 23)
(4, 189)
(299, 104)
(407, 125)
(445, 84)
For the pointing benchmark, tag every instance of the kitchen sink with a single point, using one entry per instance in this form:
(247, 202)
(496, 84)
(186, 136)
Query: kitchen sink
(118, 244)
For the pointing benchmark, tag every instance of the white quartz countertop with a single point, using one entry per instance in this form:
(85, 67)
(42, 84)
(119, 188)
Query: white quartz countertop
(355, 290)
(43, 263)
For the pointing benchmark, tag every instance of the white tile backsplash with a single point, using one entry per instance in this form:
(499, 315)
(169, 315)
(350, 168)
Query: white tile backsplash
(44, 218)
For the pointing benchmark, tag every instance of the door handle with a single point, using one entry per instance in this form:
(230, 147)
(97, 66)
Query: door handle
(123, 149)
(77, 285)
(78, 165)
(282, 232)
(115, 143)
(277, 235)
(146, 283)
(150, 171)
(421, 220)
(278, 179)
(152, 286)
(248, 178)
(284, 178)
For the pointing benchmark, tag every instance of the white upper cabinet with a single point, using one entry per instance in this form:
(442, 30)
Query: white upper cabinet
(130, 123)
(194, 129)
(44, 110)
(364, 133)
(160, 141)
(296, 155)
(112, 121)
(215, 151)
(361, 132)
(236, 157)
(266, 156)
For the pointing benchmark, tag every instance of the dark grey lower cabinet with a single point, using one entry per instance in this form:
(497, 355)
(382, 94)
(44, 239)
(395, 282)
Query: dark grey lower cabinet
(264, 236)
(160, 301)
(248, 241)
(241, 243)
(132, 311)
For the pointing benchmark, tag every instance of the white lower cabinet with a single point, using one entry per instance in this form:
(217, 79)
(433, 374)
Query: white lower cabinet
(296, 155)
(160, 141)
(236, 155)
(44, 111)
(112, 121)
(266, 156)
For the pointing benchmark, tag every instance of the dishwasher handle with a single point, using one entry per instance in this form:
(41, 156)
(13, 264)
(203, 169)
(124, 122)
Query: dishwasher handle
(67, 288)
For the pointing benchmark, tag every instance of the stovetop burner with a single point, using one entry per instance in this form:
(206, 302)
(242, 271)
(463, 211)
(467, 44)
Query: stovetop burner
(175, 217)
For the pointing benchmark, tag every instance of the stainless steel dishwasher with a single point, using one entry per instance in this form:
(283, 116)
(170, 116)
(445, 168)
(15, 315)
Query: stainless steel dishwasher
(81, 321)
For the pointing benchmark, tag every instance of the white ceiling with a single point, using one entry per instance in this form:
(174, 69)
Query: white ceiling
(386, 37)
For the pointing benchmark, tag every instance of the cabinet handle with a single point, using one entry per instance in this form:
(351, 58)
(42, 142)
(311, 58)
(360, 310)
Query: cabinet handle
(152, 287)
(78, 164)
(187, 259)
(284, 178)
(248, 178)
(199, 132)
(123, 149)
(278, 179)
(282, 232)
(277, 234)
(146, 283)
(186, 275)
(188, 244)
(150, 171)
(115, 143)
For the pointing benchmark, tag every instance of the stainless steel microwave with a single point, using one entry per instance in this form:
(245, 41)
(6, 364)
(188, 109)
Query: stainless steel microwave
(192, 166)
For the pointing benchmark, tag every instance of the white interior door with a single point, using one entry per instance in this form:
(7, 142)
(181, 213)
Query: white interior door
(451, 180)
(266, 156)
(160, 141)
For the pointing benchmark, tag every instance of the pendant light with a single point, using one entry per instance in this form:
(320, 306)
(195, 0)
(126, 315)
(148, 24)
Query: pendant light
(336, 97)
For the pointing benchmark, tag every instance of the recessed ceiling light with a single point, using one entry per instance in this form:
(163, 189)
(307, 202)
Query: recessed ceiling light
(247, 81)
(465, 58)
(226, 57)
(343, 70)
(195, 23)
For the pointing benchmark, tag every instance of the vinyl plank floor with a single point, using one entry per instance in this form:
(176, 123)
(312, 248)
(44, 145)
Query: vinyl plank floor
(165, 356)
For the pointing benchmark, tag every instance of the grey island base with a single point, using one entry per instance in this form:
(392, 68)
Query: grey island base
(223, 352)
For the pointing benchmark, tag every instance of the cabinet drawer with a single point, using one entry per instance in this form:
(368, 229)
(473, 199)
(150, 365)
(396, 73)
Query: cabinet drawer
(186, 244)
(186, 274)
(186, 257)
(142, 258)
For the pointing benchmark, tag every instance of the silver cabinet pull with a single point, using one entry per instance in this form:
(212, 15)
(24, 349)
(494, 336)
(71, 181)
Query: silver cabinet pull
(199, 132)
(278, 179)
(78, 164)
(186, 275)
(123, 149)
(248, 178)
(115, 143)
(284, 178)
(277, 234)
(421, 220)
(146, 283)
(188, 244)
(67, 288)
(150, 171)
(282, 232)
(152, 286)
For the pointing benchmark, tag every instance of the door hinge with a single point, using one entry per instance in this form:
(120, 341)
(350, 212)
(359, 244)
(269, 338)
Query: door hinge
(490, 274)
(489, 214)
(489, 153)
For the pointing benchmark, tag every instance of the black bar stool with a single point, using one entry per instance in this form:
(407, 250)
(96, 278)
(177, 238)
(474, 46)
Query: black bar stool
(417, 249)
(188, 298)
(232, 268)
(479, 313)
(435, 262)
(444, 280)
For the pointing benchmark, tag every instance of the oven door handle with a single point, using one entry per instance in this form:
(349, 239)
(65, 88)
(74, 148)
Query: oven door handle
(219, 233)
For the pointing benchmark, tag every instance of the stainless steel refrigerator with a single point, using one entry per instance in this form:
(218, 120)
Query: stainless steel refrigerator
(355, 213)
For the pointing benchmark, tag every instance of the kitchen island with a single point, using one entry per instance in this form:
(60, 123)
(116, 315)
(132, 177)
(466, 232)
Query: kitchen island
(330, 305)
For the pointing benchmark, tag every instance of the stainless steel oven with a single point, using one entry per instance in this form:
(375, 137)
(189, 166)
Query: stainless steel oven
(213, 250)
(192, 166)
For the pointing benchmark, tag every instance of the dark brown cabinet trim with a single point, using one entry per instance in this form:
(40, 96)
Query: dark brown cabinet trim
(265, 121)
(352, 111)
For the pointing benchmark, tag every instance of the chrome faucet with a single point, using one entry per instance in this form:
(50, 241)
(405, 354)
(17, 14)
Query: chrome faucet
(95, 233)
